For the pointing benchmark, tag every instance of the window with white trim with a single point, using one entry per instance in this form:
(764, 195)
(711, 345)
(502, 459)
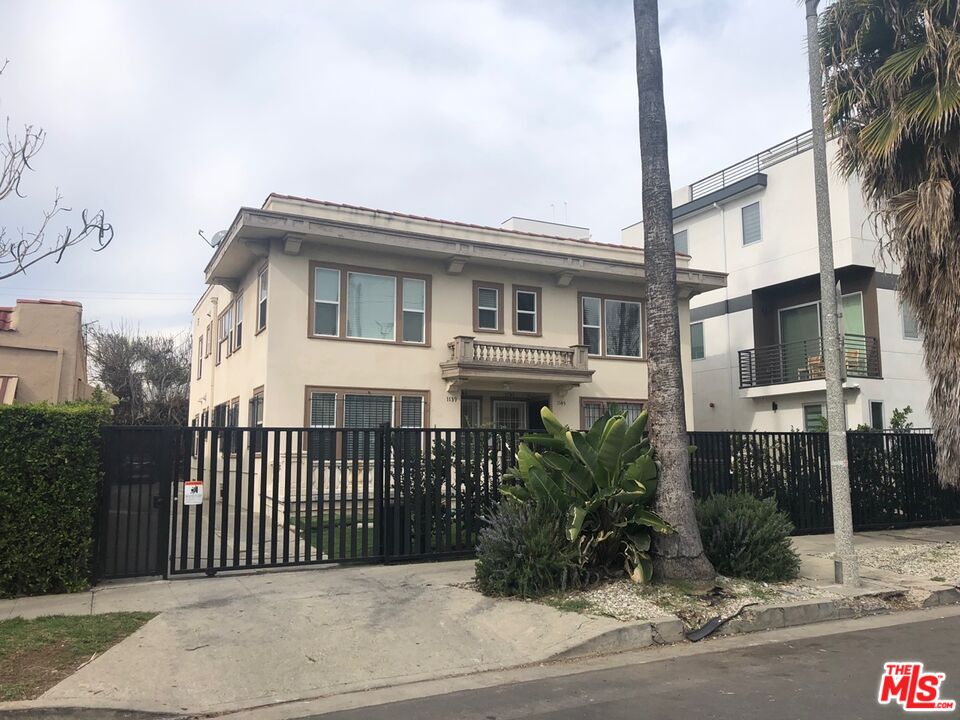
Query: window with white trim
(238, 322)
(262, 300)
(590, 322)
(326, 302)
(414, 310)
(813, 418)
(488, 308)
(876, 414)
(525, 306)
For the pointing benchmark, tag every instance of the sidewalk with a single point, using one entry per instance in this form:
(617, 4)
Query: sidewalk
(239, 640)
(243, 640)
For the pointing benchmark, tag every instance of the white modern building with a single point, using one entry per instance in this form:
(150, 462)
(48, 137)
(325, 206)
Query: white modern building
(756, 343)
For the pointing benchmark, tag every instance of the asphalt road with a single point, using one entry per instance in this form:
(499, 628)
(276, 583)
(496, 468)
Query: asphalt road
(834, 676)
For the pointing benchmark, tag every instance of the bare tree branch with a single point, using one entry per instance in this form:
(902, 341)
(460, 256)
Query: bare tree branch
(30, 247)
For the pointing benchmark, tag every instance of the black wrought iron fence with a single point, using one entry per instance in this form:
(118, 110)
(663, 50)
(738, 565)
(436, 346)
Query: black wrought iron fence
(893, 476)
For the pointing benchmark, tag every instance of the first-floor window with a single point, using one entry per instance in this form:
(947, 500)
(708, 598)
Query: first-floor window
(510, 414)
(697, 350)
(593, 410)
(255, 419)
(876, 414)
(813, 420)
(911, 328)
(365, 411)
(470, 412)
(323, 414)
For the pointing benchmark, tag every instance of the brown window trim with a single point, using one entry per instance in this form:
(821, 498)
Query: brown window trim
(539, 317)
(340, 392)
(603, 325)
(501, 306)
(342, 334)
(584, 401)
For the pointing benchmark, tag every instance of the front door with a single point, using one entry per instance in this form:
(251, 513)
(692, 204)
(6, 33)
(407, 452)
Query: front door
(511, 414)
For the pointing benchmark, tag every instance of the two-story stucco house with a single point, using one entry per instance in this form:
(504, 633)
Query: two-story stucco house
(323, 315)
(756, 343)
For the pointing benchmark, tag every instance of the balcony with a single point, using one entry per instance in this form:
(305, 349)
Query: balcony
(803, 360)
(481, 362)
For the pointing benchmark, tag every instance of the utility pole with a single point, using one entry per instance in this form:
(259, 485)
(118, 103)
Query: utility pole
(845, 559)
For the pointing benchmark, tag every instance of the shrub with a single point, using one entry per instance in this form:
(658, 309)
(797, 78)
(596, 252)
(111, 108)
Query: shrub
(49, 474)
(523, 552)
(747, 537)
(602, 483)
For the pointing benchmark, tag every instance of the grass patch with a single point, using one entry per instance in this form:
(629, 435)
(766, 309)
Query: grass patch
(320, 526)
(37, 654)
(569, 604)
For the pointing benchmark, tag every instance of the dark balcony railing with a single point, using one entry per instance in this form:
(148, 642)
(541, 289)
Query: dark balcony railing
(803, 360)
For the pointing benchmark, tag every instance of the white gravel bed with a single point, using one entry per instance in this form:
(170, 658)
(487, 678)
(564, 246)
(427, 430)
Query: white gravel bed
(627, 601)
(930, 561)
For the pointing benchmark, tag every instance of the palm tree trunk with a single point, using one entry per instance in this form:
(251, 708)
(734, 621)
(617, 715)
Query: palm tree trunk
(846, 558)
(680, 555)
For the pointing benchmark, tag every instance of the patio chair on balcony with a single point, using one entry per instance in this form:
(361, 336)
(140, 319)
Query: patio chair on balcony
(813, 370)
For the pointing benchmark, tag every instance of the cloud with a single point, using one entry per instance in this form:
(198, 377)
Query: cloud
(171, 116)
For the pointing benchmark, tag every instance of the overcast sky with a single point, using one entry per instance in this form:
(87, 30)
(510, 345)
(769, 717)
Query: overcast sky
(172, 115)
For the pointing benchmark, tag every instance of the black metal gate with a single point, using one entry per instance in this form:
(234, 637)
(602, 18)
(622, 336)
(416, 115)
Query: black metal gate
(134, 521)
(234, 498)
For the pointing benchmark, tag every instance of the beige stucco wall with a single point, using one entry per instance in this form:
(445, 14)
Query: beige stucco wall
(285, 360)
(45, 350)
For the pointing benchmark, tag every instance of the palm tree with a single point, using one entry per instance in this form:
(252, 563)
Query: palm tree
(679, 555)
(893, 97)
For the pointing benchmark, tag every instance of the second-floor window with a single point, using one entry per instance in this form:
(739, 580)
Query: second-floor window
(262, 300)
(611, 327)
(200, 357)
(681, 243)
(751, 223)
(487, 307)
(225, 334)
(238, 322)
(358, 304)
(697, 350)
(526, 310)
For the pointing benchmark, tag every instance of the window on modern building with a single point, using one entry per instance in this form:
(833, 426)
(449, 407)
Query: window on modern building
(199, 357)
(593, 410)
(876, 414)
(911, 328)
(510, 414)
(623, 328)
(697, 350)
(470, 412)
(526, 305)
(414, 310)
(238, 322)
(752, 225)
(813, 418)
(590, 322)
(262, 300)
(326, 302)
(371, 306)
(487, 299)
(680, 243)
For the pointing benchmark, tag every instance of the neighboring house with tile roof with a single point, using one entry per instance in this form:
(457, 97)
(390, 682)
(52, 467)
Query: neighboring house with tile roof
(324, 314)
(42, 353)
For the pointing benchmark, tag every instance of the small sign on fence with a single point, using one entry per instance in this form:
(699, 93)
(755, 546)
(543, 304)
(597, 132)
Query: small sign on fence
(193, 492)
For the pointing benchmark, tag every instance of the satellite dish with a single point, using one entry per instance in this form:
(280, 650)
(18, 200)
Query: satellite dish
(218, 238)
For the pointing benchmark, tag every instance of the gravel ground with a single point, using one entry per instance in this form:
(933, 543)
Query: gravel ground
(930, 561)
(625, 600)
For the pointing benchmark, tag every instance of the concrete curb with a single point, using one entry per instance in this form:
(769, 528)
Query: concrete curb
(669, 629)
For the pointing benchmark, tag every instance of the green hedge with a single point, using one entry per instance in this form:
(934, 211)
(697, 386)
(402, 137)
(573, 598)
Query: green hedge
(49, 474)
